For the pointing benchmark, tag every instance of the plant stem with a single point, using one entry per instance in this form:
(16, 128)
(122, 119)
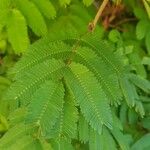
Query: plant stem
(92, 24)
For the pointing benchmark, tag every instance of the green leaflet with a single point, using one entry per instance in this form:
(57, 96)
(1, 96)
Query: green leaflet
(46, 7)
(62, 144)
(146, 61)
(93, 41)
(107, 78)
(104, 141)
(22, 90)
(64, 2)
(140, 13)
(4, 84)
(26, 143)
(45, 145)
(147, 7)
(146, 123)
(43, 50)
(4, 81)
(140, 82)
(46, 105)
(132, 117)
(17, 31)
(142, 144)
(79, 11)
(139, 108)
(141, 29)
(3, 18)
(35, 20)
(17, 116)
(147, 41)
(13, 135)
(129, 91)
(95, 141)
(19, 137)
(123, 140)
(123, 113)
(117, 122)
(66, 124)
(135, 59)
(88, 2)
(114, 36)
(80, 80)
(83, 128)
(3, 124)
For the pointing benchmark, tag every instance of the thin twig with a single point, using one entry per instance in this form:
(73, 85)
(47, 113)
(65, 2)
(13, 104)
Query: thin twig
(92, 24)
(125, 21)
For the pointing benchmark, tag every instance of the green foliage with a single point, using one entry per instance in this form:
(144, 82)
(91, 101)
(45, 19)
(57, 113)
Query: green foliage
(45, 97)
(16, 16)
(34, 20)
(74, 89)
(46, 8)
(20, 42)
(64, 2)
(88, 2)
(142, 143)
(142, 28)
(45, 114)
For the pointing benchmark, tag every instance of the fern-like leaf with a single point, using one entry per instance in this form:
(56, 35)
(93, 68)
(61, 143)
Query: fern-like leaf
(93, 41)
(79, 63)
(102, 141)
(62, 144)
(93, 103)
(66, 123)
(45, 106)
(140, 82)
(129, 91)
(22, 90)
(107, 78)
(83, 128)
(44, 50)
